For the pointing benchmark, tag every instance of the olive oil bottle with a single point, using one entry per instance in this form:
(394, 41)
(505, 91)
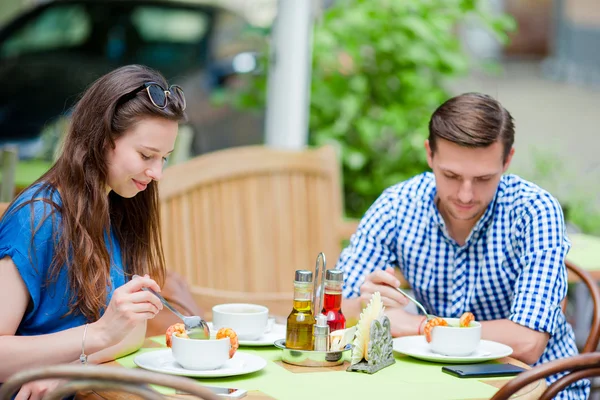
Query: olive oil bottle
(300, 322)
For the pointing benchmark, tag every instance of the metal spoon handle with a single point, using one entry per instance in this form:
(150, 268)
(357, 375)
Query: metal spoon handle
(413, 300)
(165, 302)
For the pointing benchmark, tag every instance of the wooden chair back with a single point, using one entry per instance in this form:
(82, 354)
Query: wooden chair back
(97, 377)
(237, 223)
(591, 343)
(578, 367)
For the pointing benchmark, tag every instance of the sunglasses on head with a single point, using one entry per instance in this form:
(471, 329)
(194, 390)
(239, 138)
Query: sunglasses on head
(158, 95)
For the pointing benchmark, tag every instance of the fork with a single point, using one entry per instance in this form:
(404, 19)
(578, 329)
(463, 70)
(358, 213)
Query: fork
(429, 316)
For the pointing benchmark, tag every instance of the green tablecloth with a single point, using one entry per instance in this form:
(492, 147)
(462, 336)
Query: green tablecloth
(408, 378)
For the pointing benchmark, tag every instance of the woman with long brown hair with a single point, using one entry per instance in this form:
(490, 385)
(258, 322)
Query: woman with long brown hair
(70, 243)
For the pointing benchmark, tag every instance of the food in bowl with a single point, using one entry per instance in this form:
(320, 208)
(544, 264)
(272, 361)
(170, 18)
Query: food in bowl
(176, 329)
(466, 319)
(453, 336)
(179, 331)
(201, 354)
(463, 322)
(230, 333)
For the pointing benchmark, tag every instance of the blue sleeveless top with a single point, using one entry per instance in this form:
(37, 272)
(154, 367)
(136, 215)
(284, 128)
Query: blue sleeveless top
(49, 302)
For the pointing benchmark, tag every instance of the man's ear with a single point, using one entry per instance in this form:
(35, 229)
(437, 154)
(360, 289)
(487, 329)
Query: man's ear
(508, 159)
(429, 154)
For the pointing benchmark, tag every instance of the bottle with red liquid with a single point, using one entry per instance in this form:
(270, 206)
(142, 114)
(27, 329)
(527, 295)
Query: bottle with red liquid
(332, 300)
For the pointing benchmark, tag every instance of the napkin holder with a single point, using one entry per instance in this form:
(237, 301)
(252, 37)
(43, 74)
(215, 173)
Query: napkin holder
(380, 349)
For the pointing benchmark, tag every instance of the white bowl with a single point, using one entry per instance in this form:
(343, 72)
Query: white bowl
(453, 340)
(200, 355)
(249, 321)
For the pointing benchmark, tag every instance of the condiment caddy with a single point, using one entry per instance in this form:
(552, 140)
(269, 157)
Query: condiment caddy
(309, 337)
(316, 334)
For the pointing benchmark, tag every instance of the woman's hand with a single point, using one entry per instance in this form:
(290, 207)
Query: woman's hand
(128, 307)
(37, 389)
(384, 282)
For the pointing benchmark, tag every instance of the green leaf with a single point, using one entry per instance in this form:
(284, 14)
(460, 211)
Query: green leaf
(419, 27)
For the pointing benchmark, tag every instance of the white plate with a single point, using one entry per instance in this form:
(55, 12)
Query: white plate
(163, 361)
(417, 346)
(277, 332)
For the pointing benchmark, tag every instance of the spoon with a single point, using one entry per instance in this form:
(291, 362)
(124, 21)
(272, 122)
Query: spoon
(197, 325)
(429, 316)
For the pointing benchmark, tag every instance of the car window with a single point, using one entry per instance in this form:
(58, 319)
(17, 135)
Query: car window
(55, 28)
(169, 39)
(170, 25)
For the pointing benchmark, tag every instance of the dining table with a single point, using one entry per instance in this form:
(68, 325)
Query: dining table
(408, 377)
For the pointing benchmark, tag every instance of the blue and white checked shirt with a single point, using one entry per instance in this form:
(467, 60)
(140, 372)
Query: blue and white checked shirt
(511, 266)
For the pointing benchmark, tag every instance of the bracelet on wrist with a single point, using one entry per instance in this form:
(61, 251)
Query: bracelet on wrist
(83, 357)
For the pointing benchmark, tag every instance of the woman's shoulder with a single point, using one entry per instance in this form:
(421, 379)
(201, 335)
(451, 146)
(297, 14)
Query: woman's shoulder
(41, 191)
(37, 196)
(28, 229)
(32, 207)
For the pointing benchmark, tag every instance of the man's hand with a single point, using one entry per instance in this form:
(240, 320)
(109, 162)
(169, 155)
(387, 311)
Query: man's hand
(403, 323)
(384, 282)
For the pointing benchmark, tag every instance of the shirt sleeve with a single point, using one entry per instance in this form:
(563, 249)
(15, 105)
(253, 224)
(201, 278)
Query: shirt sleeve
(371, 247)
(26, 236)
(542, 282)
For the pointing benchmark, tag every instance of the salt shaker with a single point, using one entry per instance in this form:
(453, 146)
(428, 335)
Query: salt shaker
(321, 332)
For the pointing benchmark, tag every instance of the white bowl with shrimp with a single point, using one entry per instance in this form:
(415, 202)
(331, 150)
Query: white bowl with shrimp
(454, 340)
(200, 355)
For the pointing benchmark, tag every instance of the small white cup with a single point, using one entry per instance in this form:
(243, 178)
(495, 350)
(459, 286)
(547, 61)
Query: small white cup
(249, 321)
(452, 340)
(200, 355)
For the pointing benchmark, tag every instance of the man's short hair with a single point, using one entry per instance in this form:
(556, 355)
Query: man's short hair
(472, 120)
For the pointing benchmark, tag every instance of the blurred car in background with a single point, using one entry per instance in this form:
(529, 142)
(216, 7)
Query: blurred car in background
(50, 54)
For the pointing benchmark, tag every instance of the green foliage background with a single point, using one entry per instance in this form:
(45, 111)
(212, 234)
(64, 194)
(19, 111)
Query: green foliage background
(571, 188)
(380, 68)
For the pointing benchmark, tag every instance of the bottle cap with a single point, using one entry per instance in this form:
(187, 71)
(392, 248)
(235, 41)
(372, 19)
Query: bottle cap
(321, 327)
(322, 320)
(303, 275)
(335, 275)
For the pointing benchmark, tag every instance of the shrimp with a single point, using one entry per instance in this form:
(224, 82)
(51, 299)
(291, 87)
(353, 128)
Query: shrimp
(432, 323)
(466, 319)
(178, 330)
(233, 338)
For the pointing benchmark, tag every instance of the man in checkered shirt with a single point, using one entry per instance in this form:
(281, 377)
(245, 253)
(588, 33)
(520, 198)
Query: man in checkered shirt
(469, 238)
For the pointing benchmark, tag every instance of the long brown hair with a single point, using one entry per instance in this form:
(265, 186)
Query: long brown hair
(472, 120)
(87, 214)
